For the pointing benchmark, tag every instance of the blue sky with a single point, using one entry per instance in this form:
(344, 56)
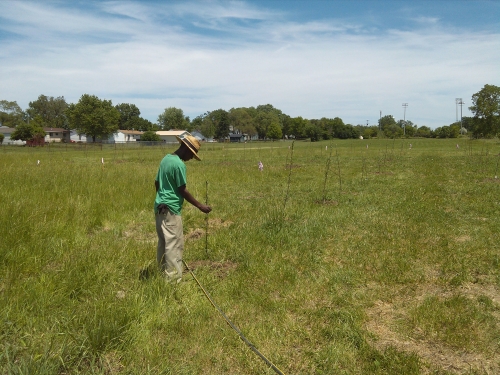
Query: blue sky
(347, 59)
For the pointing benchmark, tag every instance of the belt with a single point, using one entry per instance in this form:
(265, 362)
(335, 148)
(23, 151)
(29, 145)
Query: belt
(162, 209)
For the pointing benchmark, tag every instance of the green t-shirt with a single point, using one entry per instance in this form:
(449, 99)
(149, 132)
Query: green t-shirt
(171, 175)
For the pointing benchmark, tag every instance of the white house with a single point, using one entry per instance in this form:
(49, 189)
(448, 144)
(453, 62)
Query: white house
(124, 136)
(6, 131)
(168, 136)
(75, 137)
(121, 136)
(56, 135)
(200, 136)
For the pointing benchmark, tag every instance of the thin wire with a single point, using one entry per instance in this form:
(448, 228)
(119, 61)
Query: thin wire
(228, 321)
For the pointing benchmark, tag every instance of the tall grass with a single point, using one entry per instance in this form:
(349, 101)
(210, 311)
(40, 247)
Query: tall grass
(411, 248)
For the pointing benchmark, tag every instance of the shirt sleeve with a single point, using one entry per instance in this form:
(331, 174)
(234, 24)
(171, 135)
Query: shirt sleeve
(180, 176)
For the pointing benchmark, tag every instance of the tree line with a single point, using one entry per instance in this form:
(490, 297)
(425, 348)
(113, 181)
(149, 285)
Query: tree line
(99, 118)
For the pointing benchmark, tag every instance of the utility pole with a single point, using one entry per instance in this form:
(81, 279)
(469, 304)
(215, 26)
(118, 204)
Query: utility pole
(404, 118)
(460, 103)
(457, 100)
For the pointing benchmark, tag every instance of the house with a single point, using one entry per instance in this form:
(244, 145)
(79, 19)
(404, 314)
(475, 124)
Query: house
(6, 131)
(56, 135)
(121, 136)
(125, 136)
(201, 137)
(169, 136)
(241, 137)
(75, 137)
(237, 137)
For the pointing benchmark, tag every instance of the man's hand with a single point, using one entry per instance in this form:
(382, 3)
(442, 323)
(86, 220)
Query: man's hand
(187, 196)
(205, 209)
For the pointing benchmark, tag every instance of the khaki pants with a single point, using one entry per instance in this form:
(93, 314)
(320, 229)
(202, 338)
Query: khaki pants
(170, 244)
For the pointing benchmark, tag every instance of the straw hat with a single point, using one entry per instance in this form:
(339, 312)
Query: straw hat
(192, 143)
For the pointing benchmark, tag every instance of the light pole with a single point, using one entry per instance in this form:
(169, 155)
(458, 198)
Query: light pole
(404, 118)
(460, 103)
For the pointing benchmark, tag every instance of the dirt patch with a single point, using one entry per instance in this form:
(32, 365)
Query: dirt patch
(195, 234)
(112, 363)
(217, 223)
(221, 269)
(327, 202)
(495, 180)
(464, 238)
(383, 317)
(251, 197)
(213, 224)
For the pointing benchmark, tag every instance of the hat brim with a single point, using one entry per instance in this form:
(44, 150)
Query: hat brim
(195, 154)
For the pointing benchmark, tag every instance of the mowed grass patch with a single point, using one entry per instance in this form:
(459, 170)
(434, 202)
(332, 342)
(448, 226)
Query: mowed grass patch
(409, 249)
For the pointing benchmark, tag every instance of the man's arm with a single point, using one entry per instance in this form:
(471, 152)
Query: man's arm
(187, 196)
(157, 185)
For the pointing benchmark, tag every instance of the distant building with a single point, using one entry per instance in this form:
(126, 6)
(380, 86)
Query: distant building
(237, 137)
(200, 136)
(56, 135)
(241, 137)
(75, 137)
(6, 131)
(121, 136)
(125, 136)
(169, 136)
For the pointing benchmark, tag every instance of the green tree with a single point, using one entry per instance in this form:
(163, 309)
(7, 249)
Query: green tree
(242, 120)
(10, 114)
(454, 130)
(264, 115)
(341, 130)
(129, 113)
(150, 136)
(313, 132)
(408, 127)
(286, 125)
(139, 123)
(197, 123)
(263, 121)
(173, 118)
(94, 117)
(298, 127)
(326, 126)
(442, 132)
(218, 120)
(370, 131)
(390, 127)
(206, 127)
(27, 132)
(486, 109)
(387, 122)
(274, 131)
(424, 132)
(1, 138)
(393, 131)
(51, 110)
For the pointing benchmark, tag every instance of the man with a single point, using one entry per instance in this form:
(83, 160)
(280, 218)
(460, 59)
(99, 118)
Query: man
(171, 191)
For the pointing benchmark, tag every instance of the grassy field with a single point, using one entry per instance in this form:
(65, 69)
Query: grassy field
(342, 257)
